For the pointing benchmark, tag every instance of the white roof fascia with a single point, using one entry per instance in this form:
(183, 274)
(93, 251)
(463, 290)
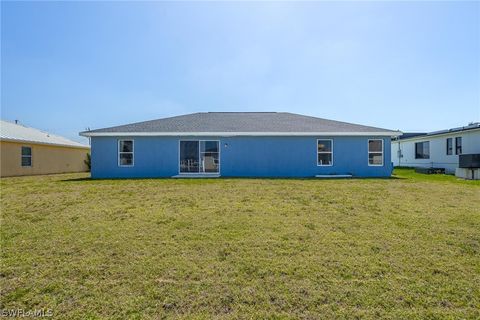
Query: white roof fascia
(233, 134)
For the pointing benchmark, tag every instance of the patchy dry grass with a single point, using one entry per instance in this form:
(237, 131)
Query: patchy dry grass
(242, 248)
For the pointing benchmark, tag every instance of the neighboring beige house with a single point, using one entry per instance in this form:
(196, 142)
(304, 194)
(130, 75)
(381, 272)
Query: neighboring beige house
(29, 151)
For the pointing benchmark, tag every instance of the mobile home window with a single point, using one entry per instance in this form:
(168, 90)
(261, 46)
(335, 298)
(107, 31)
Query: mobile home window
(325, 152)
(125, 153)
(449, 146)
(458, 145)
(26, 157)
(422, 150)
(375, 152)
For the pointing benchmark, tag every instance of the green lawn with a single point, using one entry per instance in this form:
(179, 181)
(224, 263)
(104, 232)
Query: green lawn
(406, 247)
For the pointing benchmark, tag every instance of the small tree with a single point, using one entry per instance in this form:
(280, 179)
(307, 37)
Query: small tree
(88, 161)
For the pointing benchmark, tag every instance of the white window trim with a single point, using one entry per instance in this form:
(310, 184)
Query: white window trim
(132, 152)
(26, 156)
(199, 154)
(456, 146)
(415, 150)
(325, 152)
(368, 153)
(446, 145)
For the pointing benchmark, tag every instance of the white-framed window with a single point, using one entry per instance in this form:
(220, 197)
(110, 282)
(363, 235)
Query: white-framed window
(375, 152)
(125, 153)
(422, 150)
(449, 146)
(458, 145)
(324, 152)
(26, 157)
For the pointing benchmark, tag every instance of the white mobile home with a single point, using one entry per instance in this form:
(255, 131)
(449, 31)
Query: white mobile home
(439, 149)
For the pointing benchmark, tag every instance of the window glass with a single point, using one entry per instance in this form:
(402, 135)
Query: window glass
(422, 150)
(26, 151)
(375, 152)
(324, 145)
(126, 159)
(324, 159)
(189, 157)
(125, 153)
(208, 146)
(324, 152)
(375, 146)
(126, 146)
(449, 146)
(26, 160)
(375, 158)
(458, 145)
(209, 162)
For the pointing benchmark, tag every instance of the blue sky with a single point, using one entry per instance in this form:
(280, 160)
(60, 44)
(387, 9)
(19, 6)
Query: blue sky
(399, 65)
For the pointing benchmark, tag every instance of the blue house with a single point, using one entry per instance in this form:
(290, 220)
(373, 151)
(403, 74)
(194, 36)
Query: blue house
(240, 144)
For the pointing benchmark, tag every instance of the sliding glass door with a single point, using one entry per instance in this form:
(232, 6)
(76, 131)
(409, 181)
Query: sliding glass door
(189, 160)
(199, 156)
(209, 160)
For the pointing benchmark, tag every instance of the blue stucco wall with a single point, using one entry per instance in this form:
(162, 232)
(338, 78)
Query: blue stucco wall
(241, 157)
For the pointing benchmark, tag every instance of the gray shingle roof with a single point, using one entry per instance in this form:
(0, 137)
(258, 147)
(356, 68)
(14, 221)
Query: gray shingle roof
(240, 122)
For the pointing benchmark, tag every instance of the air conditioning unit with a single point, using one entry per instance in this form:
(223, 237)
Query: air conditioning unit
(468, 167)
